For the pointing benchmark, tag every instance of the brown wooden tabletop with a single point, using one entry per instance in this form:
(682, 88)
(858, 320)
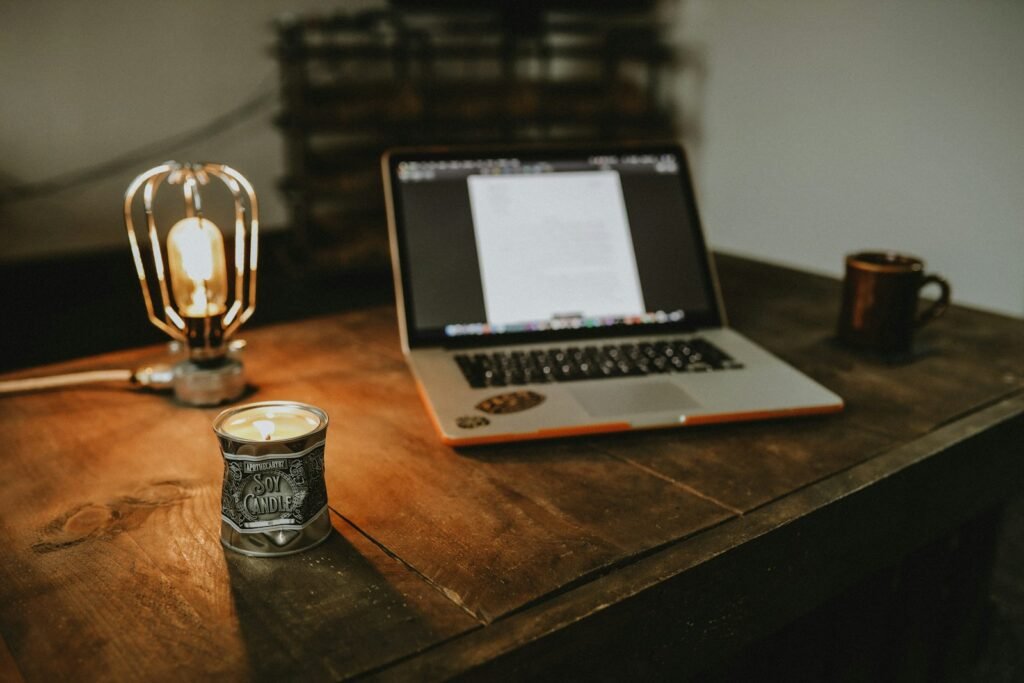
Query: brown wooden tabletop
(630, 553)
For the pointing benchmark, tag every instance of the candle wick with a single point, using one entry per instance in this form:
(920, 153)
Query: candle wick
(266, 428)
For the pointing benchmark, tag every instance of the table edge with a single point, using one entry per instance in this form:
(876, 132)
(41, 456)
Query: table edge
(504, 636)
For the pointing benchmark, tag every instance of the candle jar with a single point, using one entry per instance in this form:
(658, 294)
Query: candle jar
(274, 499)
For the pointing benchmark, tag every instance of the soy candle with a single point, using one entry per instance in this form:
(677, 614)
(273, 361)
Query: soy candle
(274, 498)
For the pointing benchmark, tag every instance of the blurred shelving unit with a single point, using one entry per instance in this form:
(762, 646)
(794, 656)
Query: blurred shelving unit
(355, 84)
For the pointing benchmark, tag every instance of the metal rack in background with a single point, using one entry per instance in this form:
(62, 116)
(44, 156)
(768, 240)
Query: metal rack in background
(355, 84)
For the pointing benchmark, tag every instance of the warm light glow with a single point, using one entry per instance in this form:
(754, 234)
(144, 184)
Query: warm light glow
(272, 423)
(266, 428)
(195, 259)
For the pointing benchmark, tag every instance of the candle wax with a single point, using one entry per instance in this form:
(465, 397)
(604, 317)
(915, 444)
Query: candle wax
(271, 423)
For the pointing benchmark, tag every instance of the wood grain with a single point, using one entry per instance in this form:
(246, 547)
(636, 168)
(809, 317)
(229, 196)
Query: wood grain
(8, 669)
(444, 559)
(493, 529)
(964, 359)
(691, 605)
(744, 466)
(113, 567)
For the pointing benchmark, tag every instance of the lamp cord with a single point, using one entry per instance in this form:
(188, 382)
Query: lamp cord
(153, 376)
(12, 386)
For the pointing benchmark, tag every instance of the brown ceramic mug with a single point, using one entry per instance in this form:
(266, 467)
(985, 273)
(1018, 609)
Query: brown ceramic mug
(880, 297)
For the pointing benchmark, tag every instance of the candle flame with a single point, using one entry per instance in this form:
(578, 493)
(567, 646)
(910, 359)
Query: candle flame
(265, 428)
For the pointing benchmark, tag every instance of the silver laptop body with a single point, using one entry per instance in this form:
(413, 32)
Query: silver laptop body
(546, 292)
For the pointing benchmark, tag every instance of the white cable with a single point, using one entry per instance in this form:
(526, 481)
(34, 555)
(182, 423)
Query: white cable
(54, 381)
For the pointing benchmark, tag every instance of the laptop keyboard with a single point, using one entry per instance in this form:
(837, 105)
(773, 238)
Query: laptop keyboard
(574, 363)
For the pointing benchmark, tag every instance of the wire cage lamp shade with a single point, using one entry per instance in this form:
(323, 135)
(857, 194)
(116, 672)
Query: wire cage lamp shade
(193, 299)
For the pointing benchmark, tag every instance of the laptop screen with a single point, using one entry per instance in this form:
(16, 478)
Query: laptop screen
(515, 246)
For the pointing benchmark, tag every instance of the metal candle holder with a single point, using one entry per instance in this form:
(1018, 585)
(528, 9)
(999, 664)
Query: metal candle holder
(195, 267)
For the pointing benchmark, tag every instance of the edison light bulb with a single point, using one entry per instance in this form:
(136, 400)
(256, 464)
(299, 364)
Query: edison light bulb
(195, 259)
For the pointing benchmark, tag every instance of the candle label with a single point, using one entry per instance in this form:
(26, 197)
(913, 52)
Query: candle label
(273, 492)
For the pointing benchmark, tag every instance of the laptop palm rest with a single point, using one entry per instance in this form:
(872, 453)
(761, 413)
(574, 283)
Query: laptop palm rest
(621, 398)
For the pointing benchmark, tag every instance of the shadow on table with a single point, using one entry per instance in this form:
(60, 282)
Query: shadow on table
(331, 612)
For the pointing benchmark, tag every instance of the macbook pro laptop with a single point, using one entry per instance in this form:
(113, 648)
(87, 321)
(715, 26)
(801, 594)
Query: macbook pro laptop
(548, 292)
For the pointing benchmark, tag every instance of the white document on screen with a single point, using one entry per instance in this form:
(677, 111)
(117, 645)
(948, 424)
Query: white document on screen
(554, 245)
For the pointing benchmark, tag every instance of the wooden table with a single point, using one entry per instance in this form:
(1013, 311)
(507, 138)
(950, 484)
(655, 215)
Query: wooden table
(607, 556)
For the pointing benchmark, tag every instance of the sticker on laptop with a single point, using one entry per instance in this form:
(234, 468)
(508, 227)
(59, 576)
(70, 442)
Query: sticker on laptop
(472, 421)
(513, 402)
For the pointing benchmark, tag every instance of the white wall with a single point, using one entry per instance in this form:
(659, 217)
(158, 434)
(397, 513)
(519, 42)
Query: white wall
(83, 82)
(831, 126)
(828, 125)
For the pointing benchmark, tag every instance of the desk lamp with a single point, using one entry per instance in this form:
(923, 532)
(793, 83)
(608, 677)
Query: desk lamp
(194, 310)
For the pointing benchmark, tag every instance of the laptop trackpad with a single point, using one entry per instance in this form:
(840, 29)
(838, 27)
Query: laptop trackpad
(627, 398)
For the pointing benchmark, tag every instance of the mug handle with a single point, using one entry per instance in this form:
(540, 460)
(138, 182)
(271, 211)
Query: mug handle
(940, 305)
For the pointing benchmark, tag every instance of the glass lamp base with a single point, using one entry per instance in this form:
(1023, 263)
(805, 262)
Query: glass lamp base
(208, 385)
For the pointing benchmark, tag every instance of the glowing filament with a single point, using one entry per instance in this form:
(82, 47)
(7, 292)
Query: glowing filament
(195, 259)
